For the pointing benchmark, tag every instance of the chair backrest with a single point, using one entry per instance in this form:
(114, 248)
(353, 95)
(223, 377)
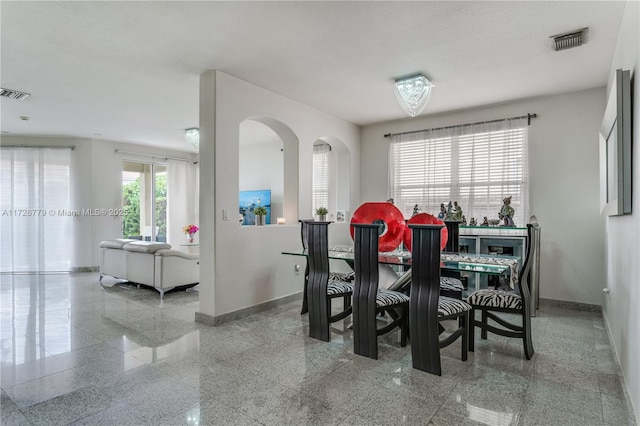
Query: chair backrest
(304, 237)
(365, 256)
(525, 272)
(304, 229)
(318, 256)
(365, 289)
(453, 239)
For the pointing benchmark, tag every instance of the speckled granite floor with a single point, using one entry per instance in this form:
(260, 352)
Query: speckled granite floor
(75, 353)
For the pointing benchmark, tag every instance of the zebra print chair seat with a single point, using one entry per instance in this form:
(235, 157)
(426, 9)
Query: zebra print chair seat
(492, 302)
(336, 288)
(496, 299)
(448, 306)
(347, 277)
(390, 298)
(450, 283)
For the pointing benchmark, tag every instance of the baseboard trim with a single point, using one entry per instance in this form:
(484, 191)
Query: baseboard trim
(576, 306)
(623, 378)
(82, 269)
(245, 312)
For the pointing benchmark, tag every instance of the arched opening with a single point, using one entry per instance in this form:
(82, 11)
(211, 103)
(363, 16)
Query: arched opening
(331, 181)
(268, 162)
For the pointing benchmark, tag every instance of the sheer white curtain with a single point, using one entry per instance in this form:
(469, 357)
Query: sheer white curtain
(183, 192)
(34, 194)
(476, 165)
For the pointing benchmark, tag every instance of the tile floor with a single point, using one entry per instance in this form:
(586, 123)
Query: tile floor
(75, 353)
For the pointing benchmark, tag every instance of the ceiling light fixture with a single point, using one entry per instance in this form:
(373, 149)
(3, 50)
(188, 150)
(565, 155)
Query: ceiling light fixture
(413, 92)
(192, 135)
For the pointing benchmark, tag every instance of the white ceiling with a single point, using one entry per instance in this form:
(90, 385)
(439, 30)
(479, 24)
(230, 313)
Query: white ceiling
(129, 71)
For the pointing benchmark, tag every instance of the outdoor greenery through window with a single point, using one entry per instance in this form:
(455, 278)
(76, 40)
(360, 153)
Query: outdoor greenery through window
(476, 165)
(139, 203)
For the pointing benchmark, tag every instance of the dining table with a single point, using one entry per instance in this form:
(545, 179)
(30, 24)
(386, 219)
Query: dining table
(420, 278)
(504, 266)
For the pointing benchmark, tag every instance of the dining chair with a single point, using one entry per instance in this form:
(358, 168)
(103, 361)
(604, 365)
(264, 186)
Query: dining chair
(451, 281)
(338, 277)
(491, 302)
(369, 301)
(427, 308)
(320, 290)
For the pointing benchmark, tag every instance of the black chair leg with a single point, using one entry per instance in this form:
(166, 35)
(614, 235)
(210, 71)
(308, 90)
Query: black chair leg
(305, 303)
(404, 326)
(463, 322)
(346, 302)
(471, 330)
(485, 321)
(526, 336)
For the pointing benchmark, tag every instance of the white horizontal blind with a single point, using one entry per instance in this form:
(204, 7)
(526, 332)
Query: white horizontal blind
(476, 165)
(34, 192)
(320, 184)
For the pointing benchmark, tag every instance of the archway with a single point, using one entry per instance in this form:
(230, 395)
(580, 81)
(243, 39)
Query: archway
(268, 160)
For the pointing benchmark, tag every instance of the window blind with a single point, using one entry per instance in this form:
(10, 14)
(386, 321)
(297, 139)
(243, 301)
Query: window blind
(477, 165)
(320, 184)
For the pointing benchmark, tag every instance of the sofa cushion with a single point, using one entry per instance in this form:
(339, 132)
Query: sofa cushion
(115, 244)
(178, 253)
(145, 246)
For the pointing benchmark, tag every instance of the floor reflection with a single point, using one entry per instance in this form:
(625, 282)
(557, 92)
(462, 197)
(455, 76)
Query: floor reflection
(76, 352)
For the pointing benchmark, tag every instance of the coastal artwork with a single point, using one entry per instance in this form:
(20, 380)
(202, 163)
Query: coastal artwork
(249, 200)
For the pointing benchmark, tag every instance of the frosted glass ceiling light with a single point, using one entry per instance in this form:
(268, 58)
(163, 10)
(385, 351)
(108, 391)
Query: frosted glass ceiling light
(192, 136)
(413, 93)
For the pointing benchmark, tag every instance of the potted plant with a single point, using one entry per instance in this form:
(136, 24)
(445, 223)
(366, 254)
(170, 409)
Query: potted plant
(322, 213)
(260, 213)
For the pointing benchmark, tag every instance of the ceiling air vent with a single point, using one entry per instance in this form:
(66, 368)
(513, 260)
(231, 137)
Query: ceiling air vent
(570, 40)
(13, 94)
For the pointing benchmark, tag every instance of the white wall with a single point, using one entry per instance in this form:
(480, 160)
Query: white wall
(261, 167)
(242, 266)
(623, 232)
(96, 183)
(563, 150)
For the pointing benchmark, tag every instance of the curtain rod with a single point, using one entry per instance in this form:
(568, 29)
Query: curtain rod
(528, 117)
(72, 147)
(142, 154)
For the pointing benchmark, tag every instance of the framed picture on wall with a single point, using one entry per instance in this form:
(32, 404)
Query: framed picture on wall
(249, 200)
(341, 216)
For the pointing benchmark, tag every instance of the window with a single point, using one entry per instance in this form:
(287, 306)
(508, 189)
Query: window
(144, 201)
(320, 185)
(475, 165)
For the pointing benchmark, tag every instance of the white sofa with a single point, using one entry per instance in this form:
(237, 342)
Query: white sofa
(149, 263)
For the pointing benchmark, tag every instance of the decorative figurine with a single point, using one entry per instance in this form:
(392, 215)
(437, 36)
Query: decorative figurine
(416, 210)
(457, 212)
(450, 211)
(464, 221)
(443, 212)
(485, 222)
(473, 222)
(506, 212)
